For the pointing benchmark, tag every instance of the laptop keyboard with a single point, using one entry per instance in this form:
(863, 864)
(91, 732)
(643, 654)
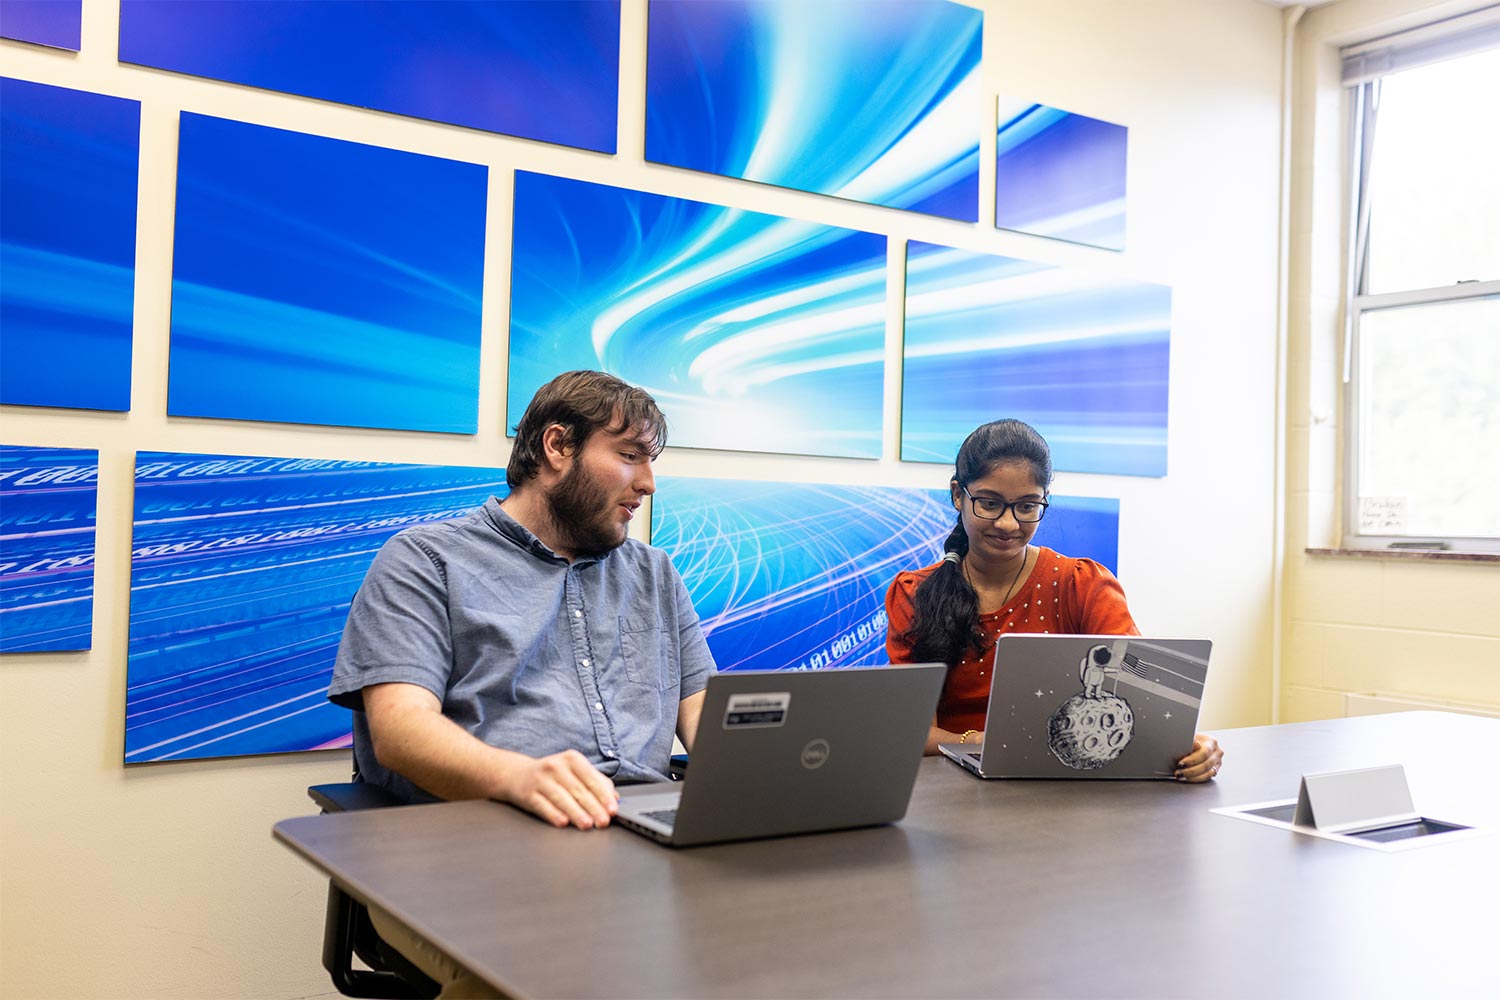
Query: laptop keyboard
(666, 816)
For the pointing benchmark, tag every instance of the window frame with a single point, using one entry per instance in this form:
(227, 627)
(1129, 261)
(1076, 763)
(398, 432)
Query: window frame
(1361, 103)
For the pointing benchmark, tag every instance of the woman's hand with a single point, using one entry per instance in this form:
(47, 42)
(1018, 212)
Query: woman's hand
(1204, 761)
(937, 736)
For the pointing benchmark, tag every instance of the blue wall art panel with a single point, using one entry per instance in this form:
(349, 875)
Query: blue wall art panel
(1080, 357)
(793, 576)
(324, 282)
(874, 102)
(538, 69)
(1060, 175)
(68, 169)
(241, 576)
(1083, 527)
(48, 503)
(753, 332)
(58, 23)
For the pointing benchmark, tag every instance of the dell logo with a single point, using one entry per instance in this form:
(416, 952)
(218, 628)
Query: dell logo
(815, 754)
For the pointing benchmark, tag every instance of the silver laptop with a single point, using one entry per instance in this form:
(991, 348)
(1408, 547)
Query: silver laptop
(1089, 706)
(784, 752)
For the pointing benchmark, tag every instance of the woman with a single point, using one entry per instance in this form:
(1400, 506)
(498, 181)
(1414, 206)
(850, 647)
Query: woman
(992, 580)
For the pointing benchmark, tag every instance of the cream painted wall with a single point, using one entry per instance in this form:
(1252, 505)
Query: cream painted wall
(163, 881)
(1404, 629)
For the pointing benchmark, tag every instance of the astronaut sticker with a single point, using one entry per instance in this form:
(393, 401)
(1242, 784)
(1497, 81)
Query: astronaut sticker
(1092, 728)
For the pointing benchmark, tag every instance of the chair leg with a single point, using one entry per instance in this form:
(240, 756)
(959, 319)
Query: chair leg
(347, 932)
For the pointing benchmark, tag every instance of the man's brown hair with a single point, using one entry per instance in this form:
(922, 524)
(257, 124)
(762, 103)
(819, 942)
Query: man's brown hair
(582, 402)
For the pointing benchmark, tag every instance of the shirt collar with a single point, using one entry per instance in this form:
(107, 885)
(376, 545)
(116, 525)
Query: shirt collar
(514, 532)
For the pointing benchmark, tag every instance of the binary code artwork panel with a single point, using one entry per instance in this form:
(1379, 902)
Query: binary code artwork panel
(793, 575)
(48, 508)
(242, 573)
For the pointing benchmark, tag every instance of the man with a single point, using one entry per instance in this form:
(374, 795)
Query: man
(529, 652)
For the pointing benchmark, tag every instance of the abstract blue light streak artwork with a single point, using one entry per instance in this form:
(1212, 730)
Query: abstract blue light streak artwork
(753, 332)
(788, 576)
(538, 69)
(1082, 358)
(57, 23)
(241, 576)
(68, 174)
(48, 507)
(324, 282)
(1060, 175)
(873, 102)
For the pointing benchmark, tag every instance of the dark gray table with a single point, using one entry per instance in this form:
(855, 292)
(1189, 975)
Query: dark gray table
(1001, 888)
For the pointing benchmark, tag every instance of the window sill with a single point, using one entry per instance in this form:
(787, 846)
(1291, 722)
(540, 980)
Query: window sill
(1430, 555)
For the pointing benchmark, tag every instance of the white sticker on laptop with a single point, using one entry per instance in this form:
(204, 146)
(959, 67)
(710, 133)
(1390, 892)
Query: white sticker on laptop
(761, 710)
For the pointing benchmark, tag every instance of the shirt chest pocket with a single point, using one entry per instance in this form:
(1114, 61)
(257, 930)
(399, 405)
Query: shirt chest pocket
(650, 654)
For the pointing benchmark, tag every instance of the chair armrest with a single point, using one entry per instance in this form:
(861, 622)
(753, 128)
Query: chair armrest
(347, 796)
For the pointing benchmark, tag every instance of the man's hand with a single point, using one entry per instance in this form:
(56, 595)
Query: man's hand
(563, 789)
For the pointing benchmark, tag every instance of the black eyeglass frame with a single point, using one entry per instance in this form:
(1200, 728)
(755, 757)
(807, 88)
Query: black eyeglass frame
(1005, 505)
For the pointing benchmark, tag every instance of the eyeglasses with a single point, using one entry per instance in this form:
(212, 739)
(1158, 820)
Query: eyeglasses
(990, 509)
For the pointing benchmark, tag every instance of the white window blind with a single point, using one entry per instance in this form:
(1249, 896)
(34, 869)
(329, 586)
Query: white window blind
(1447, 39)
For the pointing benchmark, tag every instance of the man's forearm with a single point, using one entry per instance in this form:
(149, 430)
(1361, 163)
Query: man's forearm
(412, 737)
(436, 754)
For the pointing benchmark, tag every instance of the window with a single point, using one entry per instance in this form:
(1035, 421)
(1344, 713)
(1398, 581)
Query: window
(1422, 340)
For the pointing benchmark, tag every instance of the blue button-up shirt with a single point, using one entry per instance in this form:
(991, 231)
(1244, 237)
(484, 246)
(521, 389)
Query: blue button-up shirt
(525, 650)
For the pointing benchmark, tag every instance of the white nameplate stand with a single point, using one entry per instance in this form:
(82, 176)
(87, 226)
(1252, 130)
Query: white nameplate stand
(1353, 802)
(1368, 807)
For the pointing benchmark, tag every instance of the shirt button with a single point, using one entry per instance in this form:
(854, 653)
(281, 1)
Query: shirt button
(584, 661)
(598, 706)
(577, 614)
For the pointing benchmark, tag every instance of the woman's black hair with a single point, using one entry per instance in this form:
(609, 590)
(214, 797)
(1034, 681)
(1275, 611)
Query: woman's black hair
(945, 613)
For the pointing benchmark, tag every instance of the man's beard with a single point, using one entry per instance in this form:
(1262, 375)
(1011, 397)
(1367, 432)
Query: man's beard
(580, 511)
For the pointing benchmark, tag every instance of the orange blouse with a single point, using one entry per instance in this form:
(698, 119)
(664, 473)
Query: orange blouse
(1061, 594)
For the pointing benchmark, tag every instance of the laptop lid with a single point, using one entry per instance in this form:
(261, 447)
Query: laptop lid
(1092, 706)
(799, 751)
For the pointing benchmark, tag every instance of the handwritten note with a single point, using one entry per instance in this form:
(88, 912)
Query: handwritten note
(1382, 515)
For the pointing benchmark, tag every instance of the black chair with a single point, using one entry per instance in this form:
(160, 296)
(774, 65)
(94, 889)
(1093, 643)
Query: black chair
(347, 931)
